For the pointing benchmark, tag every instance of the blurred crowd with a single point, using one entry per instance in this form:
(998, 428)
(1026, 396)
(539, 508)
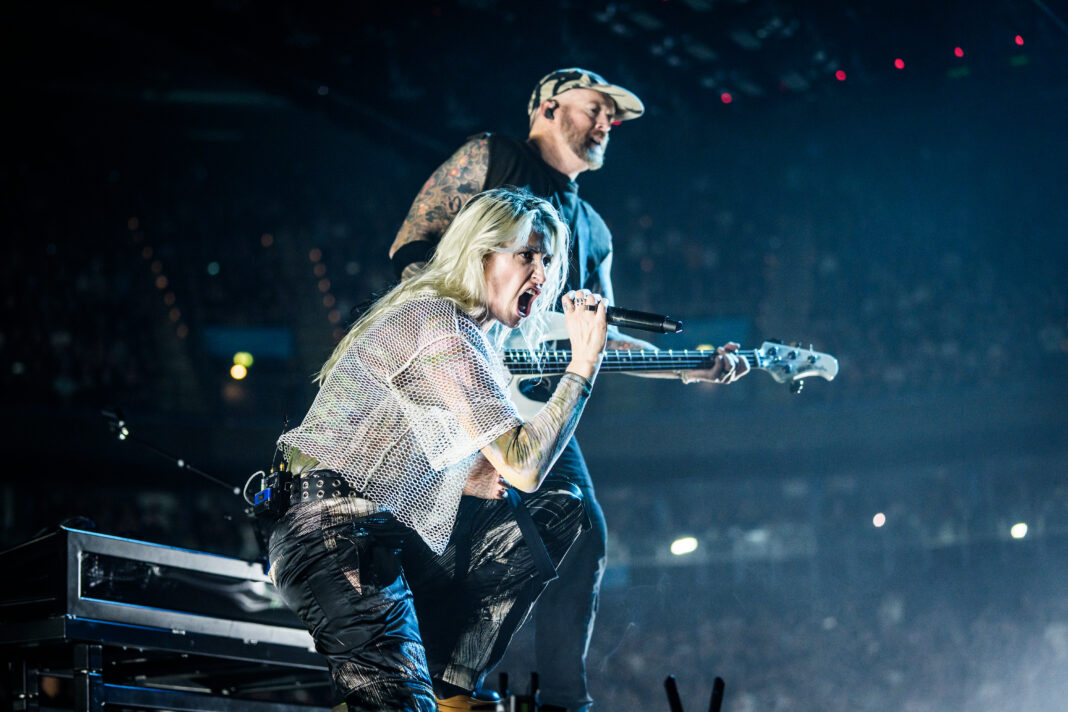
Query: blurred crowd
(936, 638)
(870, 514)
(108, 300)
(907, 303)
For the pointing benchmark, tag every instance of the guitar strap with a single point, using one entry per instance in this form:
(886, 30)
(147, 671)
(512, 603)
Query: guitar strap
(538, 552)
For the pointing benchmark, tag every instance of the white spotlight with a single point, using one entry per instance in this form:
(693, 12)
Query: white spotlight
(1018, 531)
(879, 519)
(683, 545)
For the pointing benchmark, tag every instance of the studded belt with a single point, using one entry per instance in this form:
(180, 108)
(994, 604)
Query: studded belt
(319, 484)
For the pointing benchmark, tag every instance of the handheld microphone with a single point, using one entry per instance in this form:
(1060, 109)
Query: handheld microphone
(630, 319)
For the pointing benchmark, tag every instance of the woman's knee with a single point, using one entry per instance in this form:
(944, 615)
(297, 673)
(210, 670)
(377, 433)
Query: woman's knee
(559, 514)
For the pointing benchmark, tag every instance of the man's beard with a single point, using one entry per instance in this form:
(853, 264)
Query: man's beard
(580, 145)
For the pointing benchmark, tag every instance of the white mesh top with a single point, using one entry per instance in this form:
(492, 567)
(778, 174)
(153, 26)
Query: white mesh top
(406, 409)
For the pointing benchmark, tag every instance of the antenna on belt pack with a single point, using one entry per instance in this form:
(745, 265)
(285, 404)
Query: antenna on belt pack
(272, 499)
(276, 487)
(120, 428)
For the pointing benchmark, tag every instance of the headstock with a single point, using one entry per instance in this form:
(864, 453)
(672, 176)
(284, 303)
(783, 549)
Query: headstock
(791, 364)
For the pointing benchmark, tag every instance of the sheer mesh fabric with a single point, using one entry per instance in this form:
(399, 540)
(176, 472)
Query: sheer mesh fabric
(405, 411)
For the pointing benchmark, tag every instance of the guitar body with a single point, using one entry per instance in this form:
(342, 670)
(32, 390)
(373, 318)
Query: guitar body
(522, 385)
(785, 363)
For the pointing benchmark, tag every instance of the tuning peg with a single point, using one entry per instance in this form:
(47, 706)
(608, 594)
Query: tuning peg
(796, 386)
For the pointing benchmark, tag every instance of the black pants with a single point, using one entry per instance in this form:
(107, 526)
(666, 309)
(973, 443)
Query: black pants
(565, 613)
(390, 615)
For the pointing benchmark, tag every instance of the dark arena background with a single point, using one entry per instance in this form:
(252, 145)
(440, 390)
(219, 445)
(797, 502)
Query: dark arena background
(886, 181)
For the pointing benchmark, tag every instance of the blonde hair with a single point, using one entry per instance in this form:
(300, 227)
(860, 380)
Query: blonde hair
(497, 220)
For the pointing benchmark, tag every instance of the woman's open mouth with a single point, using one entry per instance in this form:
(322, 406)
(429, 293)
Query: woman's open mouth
(526, 299)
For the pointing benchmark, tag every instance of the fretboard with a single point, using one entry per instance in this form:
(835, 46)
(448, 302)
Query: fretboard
(554, 362)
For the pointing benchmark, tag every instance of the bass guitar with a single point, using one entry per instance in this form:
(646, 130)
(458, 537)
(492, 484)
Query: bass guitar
(789, 364)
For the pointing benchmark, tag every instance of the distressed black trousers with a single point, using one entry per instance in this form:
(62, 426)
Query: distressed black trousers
(392, 617)
(564, 617)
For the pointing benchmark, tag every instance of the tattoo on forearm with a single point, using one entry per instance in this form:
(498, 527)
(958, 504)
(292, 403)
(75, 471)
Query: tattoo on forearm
(444, 193)
(532, 448)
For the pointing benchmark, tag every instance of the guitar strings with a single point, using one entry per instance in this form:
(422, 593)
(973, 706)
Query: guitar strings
(519, 362)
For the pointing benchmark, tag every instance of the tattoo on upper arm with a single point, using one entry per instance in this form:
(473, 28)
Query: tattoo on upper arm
(411, 270)
(444, 193)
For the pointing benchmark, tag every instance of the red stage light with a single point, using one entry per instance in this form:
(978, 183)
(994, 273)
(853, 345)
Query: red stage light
(1019, 40)
(958, 51)
(726, 98)
(899, 63)
(840, 75)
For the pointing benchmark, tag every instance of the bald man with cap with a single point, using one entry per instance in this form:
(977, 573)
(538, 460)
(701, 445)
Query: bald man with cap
(572, 112)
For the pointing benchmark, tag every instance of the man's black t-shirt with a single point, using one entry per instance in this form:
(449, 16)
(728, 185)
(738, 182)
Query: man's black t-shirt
(513, 162)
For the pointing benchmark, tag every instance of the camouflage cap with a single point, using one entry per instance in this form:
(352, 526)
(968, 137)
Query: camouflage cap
(628, 106)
